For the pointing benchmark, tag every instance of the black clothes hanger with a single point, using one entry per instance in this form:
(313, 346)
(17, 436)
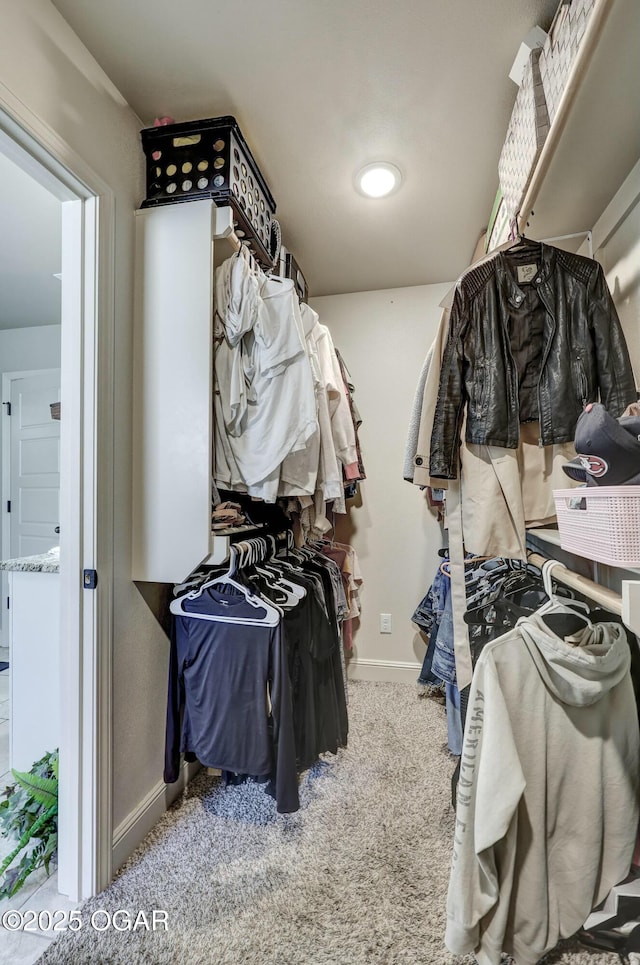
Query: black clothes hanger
(509, 584)
(565, 624)
(499, 612)
(522, 243)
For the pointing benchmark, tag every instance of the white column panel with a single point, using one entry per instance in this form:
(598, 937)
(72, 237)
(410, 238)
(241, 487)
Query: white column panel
(173, 390)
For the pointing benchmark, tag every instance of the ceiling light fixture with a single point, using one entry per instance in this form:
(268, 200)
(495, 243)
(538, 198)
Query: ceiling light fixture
(378, 180)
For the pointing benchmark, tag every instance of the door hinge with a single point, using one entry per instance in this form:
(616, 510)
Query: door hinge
(90, 579)
(8, 405)
(8, 505)
(8, 604)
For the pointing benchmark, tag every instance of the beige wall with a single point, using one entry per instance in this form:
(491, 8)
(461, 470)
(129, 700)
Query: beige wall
(620, 258)
(44, 66)
(384, 337)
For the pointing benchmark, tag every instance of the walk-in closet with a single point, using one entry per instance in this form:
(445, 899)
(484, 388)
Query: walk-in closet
(346, 638)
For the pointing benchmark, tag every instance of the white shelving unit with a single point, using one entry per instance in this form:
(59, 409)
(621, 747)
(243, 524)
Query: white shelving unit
(589, 159)
(594, 140)
(173, 387)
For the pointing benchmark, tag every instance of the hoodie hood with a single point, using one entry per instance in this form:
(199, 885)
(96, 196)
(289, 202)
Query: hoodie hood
(578, 670)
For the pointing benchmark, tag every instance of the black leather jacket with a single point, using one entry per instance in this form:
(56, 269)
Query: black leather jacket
(533, 336)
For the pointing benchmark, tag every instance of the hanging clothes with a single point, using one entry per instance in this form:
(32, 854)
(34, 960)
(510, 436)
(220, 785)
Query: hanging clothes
(346, 559)
(258, 698)
(282, 415)
(356, 420)
(498, 592)
(547, 808)
(229, 700)
(533, 336)
(285, 420)
(505, 485)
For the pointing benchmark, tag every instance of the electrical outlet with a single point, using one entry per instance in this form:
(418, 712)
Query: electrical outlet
(385, 623)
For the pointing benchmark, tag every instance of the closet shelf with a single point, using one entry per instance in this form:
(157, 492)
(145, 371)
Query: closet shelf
(552, 536)
(593, 139)
(545, 535)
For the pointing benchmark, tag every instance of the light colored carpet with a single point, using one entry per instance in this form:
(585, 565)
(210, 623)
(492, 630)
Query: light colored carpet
(359, 875)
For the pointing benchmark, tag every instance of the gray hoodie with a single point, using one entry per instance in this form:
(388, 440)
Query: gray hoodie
(548, 793)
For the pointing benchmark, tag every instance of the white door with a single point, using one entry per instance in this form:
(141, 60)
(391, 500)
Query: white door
(33, 515)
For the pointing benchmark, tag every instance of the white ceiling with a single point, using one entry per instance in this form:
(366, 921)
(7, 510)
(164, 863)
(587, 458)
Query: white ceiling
(30, 250)
(319, 88)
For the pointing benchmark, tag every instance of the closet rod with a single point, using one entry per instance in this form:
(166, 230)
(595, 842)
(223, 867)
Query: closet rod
(599, 594)
(235, 241)
(238, 243)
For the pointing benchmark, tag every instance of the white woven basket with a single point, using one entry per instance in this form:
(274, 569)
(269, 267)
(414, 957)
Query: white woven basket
(526, 134)
(600, 523)
(560, 48)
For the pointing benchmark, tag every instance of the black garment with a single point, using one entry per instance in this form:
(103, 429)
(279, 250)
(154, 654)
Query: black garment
(219, 678)
(310, 643)
(315, 700)
(521, 350)
(320, 565)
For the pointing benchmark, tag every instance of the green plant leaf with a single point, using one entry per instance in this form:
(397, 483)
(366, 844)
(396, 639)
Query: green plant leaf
(28, 865)
(44, 790)
(26, 837)
(51, 850)
(30, 813)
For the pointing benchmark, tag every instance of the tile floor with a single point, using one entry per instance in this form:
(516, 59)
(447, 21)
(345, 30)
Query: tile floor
(40, 891)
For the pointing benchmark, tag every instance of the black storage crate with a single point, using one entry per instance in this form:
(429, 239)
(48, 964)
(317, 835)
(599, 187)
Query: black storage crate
(210, 159)
(293, 271)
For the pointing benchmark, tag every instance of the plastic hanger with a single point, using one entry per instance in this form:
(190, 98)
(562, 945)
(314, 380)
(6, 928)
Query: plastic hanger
(259, 553)
(563, 617)
(271, 615)
(499, 612)
(522, 243)
(281, 581)
(555, 601)
(471, 561)
(280, 585)
(251, 552)
(281, 600)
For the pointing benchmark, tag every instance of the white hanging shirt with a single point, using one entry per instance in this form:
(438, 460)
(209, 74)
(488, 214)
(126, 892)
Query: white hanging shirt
(237, 304)
(280, 414)
(342, 428)
(299, 472)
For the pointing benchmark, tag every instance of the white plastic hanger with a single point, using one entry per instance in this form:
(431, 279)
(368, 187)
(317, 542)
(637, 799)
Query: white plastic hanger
(558, 603)
(272, 568)
(271, 614)
(273, 580)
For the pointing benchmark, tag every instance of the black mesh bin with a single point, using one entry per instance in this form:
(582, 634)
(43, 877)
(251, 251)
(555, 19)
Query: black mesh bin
(210, 159)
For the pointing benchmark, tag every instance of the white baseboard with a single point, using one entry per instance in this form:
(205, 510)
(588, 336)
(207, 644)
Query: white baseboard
(392, 671)
(137, 824)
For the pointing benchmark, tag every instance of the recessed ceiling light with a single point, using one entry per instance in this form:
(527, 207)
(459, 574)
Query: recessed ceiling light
(378, 180)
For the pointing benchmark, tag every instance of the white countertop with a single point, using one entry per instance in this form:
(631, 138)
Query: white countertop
(45, 563)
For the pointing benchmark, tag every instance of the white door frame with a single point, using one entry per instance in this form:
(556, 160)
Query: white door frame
(86, 490)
